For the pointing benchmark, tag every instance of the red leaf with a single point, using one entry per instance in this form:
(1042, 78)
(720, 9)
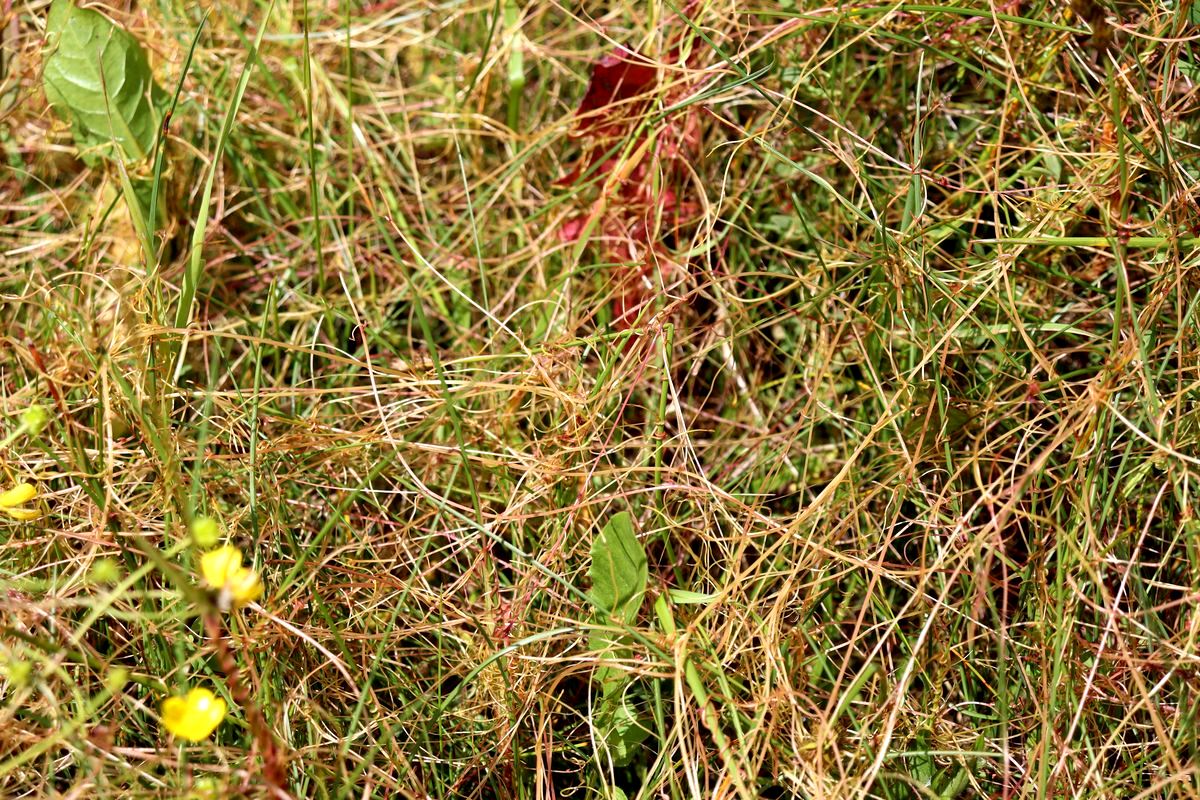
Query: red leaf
(633, 293)
(585, 164)
(618, 79)
(627, 306)
(570, 177)
(571, 229)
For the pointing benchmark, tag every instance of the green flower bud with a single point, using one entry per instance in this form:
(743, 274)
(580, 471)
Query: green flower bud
(204, 789)
(116, 679)
(18, 672)
(206, 532)
(105, 570)
(35, 419)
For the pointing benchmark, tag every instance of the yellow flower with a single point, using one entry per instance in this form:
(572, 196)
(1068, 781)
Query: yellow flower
(222, 570)
(11, 502)
(193, 716)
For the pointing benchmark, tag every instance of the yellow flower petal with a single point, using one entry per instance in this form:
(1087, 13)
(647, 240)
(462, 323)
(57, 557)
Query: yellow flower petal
(194, 716)
(222, 570)
(19, 495)
(218, 566)
(244, 586)
(23, 514)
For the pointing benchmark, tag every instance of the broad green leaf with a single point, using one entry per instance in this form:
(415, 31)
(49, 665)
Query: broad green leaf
(97, 77)
(618, 725)
(922, 768)
(619, 574)
(618, 570)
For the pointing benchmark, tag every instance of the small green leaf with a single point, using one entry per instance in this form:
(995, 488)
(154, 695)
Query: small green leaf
(683, 597)
(97, 77)
(914, 202)
(618, 570)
